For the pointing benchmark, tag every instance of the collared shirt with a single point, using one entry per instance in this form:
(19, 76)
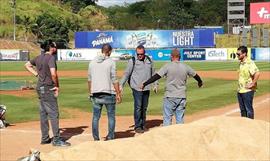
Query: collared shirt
(247, 69)
(141, 73)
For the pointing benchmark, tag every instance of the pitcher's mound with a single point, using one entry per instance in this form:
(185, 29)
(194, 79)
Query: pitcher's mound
(214, 138)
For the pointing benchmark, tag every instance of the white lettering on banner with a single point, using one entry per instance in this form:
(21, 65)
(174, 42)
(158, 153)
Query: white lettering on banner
(194, 54)
(102, 41)
(263, 13)
(183, 38)
(102, 38)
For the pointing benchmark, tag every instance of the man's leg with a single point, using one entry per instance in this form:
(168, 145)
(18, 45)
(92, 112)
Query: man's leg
(137, 95)
(180, 110)
(111, 120)
(242, 107)
(95, 121)
(145, 99)
(248, 101)
(44, 124)
(167, 111)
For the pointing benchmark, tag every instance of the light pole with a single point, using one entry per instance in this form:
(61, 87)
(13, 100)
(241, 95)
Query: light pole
(14, 19)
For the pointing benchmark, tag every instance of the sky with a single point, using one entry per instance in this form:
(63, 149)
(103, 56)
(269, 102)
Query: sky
(107, 3)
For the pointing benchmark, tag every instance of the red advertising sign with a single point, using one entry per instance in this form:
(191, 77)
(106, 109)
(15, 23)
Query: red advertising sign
(259, 12)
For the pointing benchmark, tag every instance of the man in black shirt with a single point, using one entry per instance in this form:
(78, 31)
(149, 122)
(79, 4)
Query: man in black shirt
(47, 88)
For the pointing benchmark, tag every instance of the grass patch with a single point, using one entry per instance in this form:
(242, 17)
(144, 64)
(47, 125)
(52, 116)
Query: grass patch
(74, 93)
(216, 93)
(121, 65)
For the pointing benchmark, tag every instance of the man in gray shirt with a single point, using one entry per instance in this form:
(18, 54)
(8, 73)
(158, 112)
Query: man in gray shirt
(174, 101)
(138, 70)
(103, 88)
(45, 69)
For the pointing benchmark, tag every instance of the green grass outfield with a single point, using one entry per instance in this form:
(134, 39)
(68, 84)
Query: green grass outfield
(215, 93)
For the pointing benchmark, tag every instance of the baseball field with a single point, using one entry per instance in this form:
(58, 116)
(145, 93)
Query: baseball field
(217, 97)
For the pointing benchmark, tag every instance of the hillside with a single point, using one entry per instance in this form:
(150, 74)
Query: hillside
(27, 12)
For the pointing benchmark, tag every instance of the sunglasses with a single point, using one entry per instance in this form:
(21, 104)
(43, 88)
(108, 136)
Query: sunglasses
(140, 54)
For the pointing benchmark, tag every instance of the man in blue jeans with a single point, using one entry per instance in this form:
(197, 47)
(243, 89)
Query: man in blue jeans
(139, 69)
(247, 82)
(103, 89)
(47, 88)
(176, 73)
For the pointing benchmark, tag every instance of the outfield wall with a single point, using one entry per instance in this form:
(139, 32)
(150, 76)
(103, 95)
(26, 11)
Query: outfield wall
(14, 55)
(187, 54)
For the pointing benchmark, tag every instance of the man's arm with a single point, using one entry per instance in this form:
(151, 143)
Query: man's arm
(54, 77)
(118, 92)
(30, 68)
(55, 81)
(89, 87)
(151, 80)
(127, 73)
(254, 80)
(199, 80)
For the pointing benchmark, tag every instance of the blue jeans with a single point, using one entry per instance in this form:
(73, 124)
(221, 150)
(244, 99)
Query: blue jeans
(98, 102)
(140, 107)
(246, 104)
(173, 106)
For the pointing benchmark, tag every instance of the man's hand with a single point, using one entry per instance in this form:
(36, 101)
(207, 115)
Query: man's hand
(56, 91)
(141, 86)
(200, 84)
(250, 85)
(118, 98)
(155, 88)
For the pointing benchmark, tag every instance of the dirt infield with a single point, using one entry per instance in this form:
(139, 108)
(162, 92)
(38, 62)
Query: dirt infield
(17, 139)
(228, 75)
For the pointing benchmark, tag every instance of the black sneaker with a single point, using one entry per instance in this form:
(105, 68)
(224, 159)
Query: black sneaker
(139, 130)
(48, 141)
(59, 142)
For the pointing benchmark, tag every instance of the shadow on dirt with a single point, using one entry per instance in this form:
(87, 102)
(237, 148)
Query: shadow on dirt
(131, 133)
(67, 133)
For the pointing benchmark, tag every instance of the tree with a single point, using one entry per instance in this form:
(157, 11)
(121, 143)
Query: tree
(179, 16)
(77, 5)
(48, 27)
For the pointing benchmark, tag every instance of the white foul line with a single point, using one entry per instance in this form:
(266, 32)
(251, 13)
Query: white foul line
(255, 106)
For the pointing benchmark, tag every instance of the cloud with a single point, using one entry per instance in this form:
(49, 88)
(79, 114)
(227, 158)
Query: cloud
(107, 3)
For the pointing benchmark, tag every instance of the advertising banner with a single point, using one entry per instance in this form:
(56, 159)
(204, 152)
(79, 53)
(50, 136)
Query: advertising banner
(77, 54)
(262, 54)
(216, 54)
(9, 54)
(193, 54)
(155, 54)
(232, 53)
(147, 38)
(160, 55)
(260, 13)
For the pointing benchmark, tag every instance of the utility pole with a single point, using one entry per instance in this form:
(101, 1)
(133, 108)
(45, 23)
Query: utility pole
(14, 19)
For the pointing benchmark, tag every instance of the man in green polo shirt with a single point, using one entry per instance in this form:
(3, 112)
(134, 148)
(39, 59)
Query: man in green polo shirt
(247, 82)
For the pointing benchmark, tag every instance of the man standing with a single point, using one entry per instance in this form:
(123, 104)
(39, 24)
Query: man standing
(103, 89)
(174, 101)
(247, 82)
(48, 90)
(138, 70)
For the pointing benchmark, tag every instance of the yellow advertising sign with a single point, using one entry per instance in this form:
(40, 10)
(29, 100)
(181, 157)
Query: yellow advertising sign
(232, 53)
